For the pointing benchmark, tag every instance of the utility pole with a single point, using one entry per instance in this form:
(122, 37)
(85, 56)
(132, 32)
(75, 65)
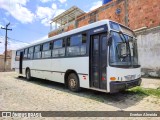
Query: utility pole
(5, 55)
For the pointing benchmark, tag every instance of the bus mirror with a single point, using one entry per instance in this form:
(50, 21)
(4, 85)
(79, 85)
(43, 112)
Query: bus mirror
(121, 50)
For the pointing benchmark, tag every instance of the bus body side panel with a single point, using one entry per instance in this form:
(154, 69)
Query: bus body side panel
(78, 64)
(17, 66)
(54, 69)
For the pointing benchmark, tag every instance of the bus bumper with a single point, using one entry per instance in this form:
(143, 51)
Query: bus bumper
(120, 86)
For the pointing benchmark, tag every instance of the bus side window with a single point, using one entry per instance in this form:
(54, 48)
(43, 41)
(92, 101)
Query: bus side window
(30, 53)
(76, 45)
(46, 50)
(25, 54)
(17, 55)
(37, 52)
(58, 48)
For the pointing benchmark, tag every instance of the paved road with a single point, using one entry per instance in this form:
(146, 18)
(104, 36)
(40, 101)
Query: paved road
(17, 94)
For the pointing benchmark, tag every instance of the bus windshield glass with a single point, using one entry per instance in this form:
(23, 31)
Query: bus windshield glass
(118, 27)
(123, 51)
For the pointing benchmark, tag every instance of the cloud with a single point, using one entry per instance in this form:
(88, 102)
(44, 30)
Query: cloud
(17, 9)
(45, 22)
(40, 39)
(45, 1)
(54, 6)
(96, 5)
(13, 25)
(45, 14)
(12, 45)
(59, 11)
(1, 25)
(62, 1)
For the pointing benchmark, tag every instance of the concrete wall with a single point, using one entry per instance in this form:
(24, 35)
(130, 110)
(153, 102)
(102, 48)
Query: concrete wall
(1, 63)
(8, 61)
(8, 64)
(149, 51)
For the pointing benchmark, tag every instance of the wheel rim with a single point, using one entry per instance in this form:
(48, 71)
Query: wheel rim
(72, 83)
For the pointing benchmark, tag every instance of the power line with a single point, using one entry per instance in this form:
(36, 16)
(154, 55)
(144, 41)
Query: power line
(17, 40)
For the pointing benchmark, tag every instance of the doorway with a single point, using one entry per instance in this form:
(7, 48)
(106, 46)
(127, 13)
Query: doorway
(98, 61)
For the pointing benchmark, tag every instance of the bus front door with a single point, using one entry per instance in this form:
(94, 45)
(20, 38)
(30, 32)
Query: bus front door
(21, 63)
(98, 61)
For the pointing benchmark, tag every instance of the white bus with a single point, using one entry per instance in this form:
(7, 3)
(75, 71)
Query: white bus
(101, 56)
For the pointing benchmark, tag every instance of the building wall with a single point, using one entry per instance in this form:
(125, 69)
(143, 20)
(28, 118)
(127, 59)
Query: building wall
(8, 61)
(107, 11)
(1, 63)
(149, 51)
(8, 64)
(143, 13)
(59, 31)
(135, 14)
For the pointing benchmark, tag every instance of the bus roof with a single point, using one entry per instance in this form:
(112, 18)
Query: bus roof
(74, 31)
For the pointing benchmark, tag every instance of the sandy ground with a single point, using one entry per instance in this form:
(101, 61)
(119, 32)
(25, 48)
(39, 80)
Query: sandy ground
(17, 94)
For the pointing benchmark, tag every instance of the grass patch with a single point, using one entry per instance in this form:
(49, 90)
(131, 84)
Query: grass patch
(144, 91)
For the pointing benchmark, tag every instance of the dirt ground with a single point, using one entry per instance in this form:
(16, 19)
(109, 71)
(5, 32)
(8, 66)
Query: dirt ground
(17, 94)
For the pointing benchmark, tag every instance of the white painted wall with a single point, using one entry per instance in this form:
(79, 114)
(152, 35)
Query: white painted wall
(149, 50)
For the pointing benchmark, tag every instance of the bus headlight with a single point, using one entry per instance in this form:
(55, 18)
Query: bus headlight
(112, 78)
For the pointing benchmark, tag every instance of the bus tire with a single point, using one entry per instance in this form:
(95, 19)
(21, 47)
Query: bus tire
(28, 74)
(73, 82)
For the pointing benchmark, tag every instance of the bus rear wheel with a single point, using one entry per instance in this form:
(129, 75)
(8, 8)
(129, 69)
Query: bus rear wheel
(73, 82)
(28, 75)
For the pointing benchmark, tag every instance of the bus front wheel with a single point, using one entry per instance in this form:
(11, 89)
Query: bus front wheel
(73, 82)
(28, 74)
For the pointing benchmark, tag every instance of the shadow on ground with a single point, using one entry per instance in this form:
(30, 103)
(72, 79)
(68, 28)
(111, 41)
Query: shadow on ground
(121, 100)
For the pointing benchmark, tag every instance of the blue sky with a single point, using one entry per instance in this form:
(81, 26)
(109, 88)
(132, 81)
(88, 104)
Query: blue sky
(30, 18)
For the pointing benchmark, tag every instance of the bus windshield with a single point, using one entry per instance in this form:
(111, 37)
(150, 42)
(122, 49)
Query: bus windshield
(123, 51)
